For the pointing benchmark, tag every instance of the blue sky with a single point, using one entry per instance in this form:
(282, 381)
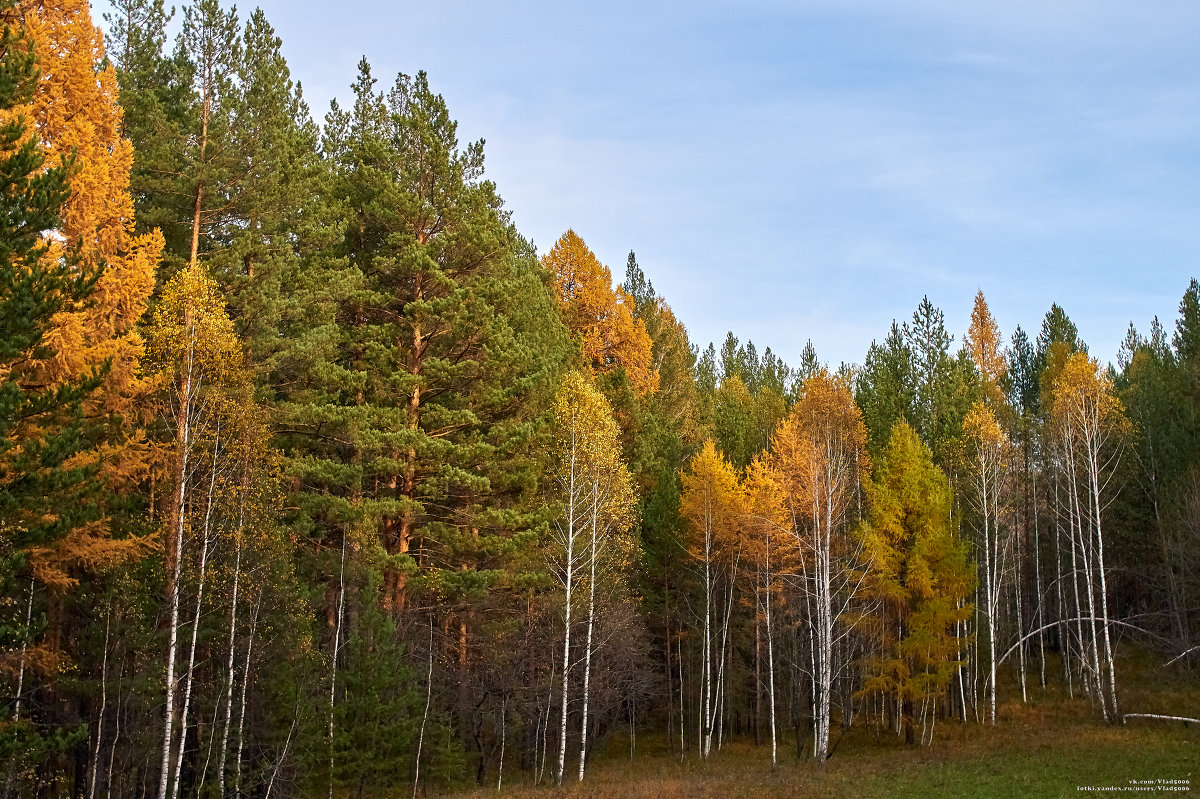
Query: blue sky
(810, 170)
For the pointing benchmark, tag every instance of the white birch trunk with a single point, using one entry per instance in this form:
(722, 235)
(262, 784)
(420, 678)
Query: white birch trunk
(187, 692)
(706, 719)
(103, 706)
(237, 763)
(1094, 473)
(587, 656)
(337, 643)
(771, 661)
(425, 717)
(183, 441)
(24, 646)
(229, 666)
(503, 738)
(570, 576)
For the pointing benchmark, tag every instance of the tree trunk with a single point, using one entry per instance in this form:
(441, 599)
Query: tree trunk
(587, 656)
(229, 666)
(175, 556)
(337, 643)
(187, 692)
(425, 717)
(237, 763)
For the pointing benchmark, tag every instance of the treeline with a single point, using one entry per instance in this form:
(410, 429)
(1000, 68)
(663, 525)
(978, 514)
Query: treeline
(315, 479)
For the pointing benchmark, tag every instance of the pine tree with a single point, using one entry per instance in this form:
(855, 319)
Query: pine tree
(886, 388)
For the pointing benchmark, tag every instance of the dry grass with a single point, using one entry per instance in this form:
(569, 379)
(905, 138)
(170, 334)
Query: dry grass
(1049, 747)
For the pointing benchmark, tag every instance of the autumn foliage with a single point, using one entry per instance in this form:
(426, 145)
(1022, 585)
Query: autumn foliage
(599, 316)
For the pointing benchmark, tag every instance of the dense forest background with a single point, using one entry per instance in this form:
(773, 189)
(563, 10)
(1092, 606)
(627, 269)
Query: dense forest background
(316, 479)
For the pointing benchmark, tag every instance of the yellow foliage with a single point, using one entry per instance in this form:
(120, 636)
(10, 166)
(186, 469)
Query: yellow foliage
(712, 503)
(598, 316)
(983, 342)
(1083, 400)
(587, 443)
(192, 329)
(76, 115)
(981, 427)
(820, 451)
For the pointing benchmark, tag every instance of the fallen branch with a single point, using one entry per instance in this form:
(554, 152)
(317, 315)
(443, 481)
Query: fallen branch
(1180, 655)
(1164, 718)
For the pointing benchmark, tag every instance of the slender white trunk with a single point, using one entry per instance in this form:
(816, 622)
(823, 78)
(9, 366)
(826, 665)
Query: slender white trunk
(961, 631)
(991, 584)
(591, 621)
(112, 748)
(237, 763)
(282, 756)
(212, 737)
(570, 577)
(724, 648)
(103, 706)
(1037, 574)
(1084, 546)
(187, 692)
(1020, 610)
(706, 720)
(24, 645)
(679, 660)
(337, 644)
(1063, 627)
(771, 658)
(183, 441)
(1094, 466)
(229, 666)
(425, 715)
(503, 738)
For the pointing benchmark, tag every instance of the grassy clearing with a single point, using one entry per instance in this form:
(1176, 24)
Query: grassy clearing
(1047, 748)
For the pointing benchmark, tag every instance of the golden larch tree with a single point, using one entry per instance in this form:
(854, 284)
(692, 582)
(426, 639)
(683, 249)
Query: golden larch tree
(984, 344)
(598, 316)
(76, 117)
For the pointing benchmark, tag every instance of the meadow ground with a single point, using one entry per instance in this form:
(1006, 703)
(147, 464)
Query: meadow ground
(1049, 747)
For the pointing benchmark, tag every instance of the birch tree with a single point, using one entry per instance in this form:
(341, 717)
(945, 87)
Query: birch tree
(990, 466)
(1090, 426)
(767, 543)
(595, 494)
(820, 453)
(712, 505)
(193, 347)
